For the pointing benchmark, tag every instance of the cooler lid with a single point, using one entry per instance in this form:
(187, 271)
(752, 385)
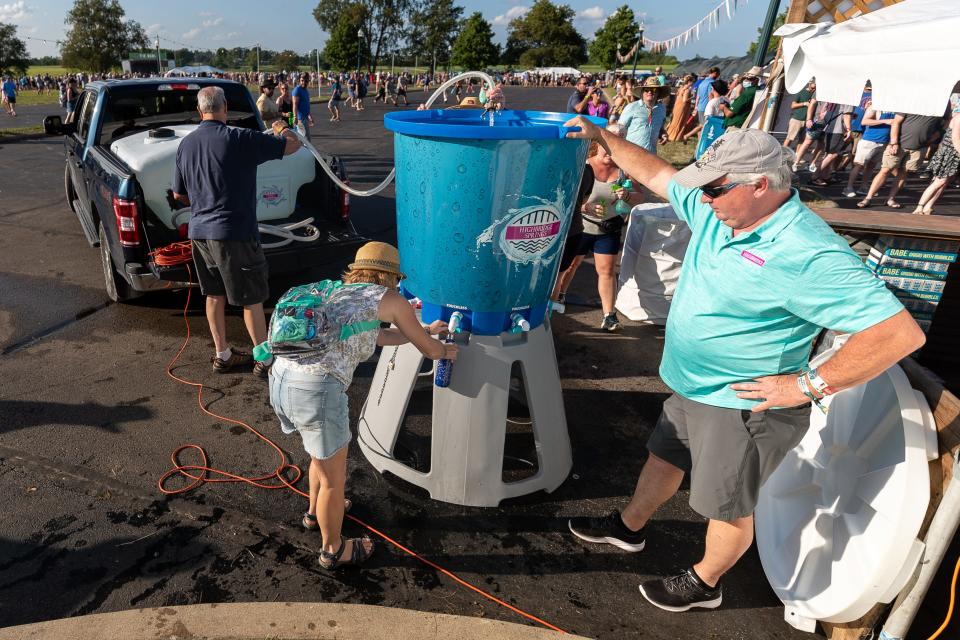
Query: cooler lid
(837, 522)
(476, 124)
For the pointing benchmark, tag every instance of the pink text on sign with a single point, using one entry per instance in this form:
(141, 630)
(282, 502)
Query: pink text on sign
(533, 232)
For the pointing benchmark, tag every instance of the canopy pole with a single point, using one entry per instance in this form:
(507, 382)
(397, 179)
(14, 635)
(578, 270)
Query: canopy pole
(767, 33)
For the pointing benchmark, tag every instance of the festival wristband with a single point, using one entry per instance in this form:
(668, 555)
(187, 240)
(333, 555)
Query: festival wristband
(805, 390)
(819, 384)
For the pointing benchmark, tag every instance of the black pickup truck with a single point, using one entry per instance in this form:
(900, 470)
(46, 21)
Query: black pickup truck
(121, 150)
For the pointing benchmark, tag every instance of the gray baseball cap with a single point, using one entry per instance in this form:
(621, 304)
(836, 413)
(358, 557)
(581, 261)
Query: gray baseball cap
(736, 151)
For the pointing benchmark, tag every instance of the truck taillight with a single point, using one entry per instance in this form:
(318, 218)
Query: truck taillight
(345, 203)
(128, 222)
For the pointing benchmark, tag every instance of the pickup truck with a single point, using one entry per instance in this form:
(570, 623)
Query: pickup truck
(121, 147)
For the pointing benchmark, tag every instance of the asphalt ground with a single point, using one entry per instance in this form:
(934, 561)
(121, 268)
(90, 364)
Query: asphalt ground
(89, 420)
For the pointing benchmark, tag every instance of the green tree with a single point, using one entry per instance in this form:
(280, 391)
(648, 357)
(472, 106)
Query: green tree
(620, 28)
(474, 48)
(774, 41)
(13, 51)
(544, 37)
(98, 35)
(286, 60)
(434, 27)
(223, 58)
(340, 51)
(382, 22)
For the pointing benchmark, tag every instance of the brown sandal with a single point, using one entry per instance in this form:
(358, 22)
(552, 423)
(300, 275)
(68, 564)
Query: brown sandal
(358, 553)
(310, 520)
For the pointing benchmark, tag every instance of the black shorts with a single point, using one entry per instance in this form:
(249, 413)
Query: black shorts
(234, 268)
(729, 453)
(12, 100)
(834, 143)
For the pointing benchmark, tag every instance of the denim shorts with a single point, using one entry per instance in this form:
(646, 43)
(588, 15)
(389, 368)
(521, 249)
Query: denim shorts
(315, 406)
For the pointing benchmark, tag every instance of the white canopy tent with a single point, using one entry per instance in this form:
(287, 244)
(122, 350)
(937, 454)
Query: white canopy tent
(909, 51)
(560, 71)
(192, 71)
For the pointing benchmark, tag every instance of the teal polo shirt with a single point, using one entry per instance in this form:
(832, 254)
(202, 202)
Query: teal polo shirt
(751, 305)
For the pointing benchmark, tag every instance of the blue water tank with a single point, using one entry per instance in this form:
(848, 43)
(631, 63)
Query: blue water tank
(483, 210)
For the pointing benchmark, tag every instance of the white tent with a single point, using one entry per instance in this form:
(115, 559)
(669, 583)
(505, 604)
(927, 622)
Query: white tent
(909, 51)
(560, 71)
(192, 71)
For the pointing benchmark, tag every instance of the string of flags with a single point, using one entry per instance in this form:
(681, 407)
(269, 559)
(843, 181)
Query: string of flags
(709, 22)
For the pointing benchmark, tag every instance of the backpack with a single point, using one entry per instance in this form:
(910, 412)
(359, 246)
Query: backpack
(300, 325)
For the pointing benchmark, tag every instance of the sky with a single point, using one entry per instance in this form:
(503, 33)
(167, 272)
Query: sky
(290, 25)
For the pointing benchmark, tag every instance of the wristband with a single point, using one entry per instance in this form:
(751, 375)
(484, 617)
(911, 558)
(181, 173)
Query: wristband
(819, 384)
(805, 390)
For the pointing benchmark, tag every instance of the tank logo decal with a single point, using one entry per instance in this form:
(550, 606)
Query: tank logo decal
(531, 232)
(272, 195)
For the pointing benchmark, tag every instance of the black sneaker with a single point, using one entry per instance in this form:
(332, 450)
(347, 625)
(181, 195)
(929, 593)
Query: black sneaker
(610, 322)
(608, 530)
(262, 370)
(682, 592)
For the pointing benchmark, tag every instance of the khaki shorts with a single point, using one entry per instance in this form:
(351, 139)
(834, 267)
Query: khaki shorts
(909, 158)
(868, 151)
(729, 453)
(795, 129)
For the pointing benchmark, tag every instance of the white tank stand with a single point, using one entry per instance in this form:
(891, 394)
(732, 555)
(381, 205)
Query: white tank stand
(470, 418)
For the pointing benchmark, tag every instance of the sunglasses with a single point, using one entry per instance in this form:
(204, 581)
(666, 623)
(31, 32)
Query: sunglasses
(717, 191)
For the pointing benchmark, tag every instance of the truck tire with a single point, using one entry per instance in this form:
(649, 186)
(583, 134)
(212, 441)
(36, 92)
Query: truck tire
(118, 289)
(68, 188)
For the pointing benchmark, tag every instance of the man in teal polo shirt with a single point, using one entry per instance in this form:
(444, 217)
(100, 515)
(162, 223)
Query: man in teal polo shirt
(762, 275)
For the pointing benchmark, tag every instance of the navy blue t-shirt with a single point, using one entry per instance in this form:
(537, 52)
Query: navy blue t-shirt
(217, 169)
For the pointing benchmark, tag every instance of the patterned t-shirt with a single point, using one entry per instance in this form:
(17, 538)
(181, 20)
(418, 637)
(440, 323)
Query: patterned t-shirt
(349, 305)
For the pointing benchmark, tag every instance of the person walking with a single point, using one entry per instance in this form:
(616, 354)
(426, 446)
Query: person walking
(9, 91)
(302, 119)
(682, 111)
(798, 114)
(268, 109)
(285, 103)
(703, 92)
(876, 135)
(644, 119)
(909, 135)
(308, 391)
(216, 176)
(945, 163)
(762, 276)
(336, 99)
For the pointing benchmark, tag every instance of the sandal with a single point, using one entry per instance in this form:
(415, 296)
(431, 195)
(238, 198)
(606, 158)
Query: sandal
(358, 553)
(820, 182)
(310, 520)
(863, 204)
(893, 204)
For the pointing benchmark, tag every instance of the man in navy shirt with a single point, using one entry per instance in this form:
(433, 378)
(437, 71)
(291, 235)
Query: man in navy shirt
(216, 175)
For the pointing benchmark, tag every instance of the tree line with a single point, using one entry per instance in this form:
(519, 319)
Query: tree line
(362, 33)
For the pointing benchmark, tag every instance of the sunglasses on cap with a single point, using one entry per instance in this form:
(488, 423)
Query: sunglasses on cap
(719, 190)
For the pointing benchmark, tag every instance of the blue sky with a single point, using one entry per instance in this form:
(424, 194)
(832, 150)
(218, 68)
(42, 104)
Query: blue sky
(290, 25)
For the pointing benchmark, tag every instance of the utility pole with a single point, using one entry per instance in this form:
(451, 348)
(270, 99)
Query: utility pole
(159, 68)
(616, 60)
(318, 66)
(636, 51)
(759, 58)
(258, 60)
(393, 61)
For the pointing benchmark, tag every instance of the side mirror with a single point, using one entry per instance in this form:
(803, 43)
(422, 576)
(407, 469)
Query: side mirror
(54, 126)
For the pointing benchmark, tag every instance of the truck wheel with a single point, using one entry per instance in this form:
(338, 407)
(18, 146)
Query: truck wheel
(68, 188)
(118, 289)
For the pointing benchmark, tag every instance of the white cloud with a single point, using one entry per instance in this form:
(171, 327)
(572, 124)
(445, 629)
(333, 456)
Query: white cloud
(154, 28)
(220, 37)
(14, 11)
(193, 33)
(514, 12)
(216, 22)
(206, 14)
(593, 13)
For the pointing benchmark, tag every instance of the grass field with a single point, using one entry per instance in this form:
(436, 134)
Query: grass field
(52, 70)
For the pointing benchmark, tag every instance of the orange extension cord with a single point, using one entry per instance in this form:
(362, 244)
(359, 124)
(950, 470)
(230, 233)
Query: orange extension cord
(179, 253)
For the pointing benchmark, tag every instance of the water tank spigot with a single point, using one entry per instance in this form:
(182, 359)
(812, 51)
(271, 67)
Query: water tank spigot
(455, 325)
(518, 323)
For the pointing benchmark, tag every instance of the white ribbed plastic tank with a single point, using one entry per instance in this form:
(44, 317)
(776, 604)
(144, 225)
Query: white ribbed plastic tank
(153, 160)
(837, 522)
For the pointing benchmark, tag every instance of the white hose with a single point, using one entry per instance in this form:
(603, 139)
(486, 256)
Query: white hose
(383, 185)
(309, 233)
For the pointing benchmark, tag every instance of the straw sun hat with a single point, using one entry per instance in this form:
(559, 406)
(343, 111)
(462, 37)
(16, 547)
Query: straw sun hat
(378, 256)
(653, 83)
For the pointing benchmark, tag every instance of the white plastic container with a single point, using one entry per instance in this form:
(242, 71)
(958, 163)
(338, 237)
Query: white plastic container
(153, 161)
(837, 522)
